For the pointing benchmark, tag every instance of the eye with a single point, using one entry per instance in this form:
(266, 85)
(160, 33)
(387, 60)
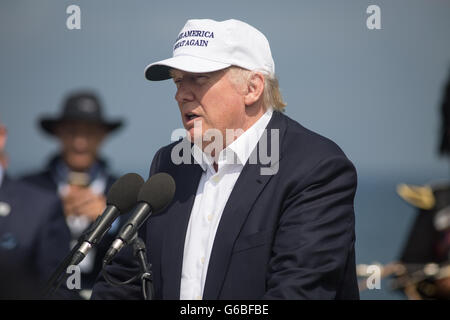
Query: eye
(177, 82)
(201, 78)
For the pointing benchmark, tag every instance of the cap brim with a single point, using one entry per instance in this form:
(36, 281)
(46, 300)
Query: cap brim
(160, 70)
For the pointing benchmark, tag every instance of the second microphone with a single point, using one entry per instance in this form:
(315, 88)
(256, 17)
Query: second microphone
(154, 195)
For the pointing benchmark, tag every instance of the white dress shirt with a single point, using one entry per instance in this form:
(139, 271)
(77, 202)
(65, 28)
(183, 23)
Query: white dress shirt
(212, 195)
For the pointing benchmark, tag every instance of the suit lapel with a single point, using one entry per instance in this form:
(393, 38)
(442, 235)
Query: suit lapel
(245, 192)
(187, 179)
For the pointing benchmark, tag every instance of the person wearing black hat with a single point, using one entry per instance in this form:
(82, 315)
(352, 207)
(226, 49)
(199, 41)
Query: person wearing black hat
(77, 174)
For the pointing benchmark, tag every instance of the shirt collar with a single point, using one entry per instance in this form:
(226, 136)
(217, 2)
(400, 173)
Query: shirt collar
(240, 149)
(243, 146)
(61, 171)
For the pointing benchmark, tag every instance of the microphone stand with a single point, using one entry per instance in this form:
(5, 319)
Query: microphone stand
(53, 284)
(146, 274)
(72, 258)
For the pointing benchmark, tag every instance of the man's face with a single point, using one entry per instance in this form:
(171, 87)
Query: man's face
(210, 100)
(80, 142)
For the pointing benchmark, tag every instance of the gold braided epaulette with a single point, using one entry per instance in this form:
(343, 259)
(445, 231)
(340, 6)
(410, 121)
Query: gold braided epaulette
(419, 196)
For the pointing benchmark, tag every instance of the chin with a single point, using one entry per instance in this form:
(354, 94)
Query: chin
(80, 165)
(194, 135)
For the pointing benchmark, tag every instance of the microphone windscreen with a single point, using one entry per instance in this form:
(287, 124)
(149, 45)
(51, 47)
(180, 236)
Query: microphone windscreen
(158, 191)
(124, 192)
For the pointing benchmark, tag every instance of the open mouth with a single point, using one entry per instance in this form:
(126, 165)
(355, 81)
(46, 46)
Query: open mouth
(190, 116)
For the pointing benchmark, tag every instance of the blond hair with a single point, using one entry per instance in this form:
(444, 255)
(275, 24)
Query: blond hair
(271, 94)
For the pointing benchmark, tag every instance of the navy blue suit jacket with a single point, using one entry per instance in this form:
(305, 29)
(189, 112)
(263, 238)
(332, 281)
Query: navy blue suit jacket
(44, 180)
(30, 235)
(284, 236)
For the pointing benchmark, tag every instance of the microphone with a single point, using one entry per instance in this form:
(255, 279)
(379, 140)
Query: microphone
(121, 198)
(154, 195)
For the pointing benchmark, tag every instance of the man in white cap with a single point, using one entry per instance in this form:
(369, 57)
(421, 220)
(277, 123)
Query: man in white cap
(243, 225)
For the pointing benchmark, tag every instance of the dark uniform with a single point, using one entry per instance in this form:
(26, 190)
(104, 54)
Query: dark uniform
(426, 252)
(33, 238)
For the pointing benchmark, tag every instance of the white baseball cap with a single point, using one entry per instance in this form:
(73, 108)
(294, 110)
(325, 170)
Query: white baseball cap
(205, 45)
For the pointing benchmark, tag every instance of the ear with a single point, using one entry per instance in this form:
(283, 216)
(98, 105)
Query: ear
(255, 88)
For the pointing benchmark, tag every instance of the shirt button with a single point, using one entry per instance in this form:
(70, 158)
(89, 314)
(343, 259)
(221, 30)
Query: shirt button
(216, 178)
(202, 260)
(198, 297)
(210, 216)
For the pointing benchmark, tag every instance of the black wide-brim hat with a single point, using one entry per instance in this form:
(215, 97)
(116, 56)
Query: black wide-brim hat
(80, 106)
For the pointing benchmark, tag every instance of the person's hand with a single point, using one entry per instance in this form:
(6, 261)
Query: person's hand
(83, 202)
(443, 288)
(3, 138)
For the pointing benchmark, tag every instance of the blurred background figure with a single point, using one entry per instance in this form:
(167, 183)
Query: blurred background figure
(77, 174)
(3, 156)
(426, 253)
(30, 234)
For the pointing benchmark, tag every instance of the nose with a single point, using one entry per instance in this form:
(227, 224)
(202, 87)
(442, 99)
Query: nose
(184, 92)
(80, 142)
